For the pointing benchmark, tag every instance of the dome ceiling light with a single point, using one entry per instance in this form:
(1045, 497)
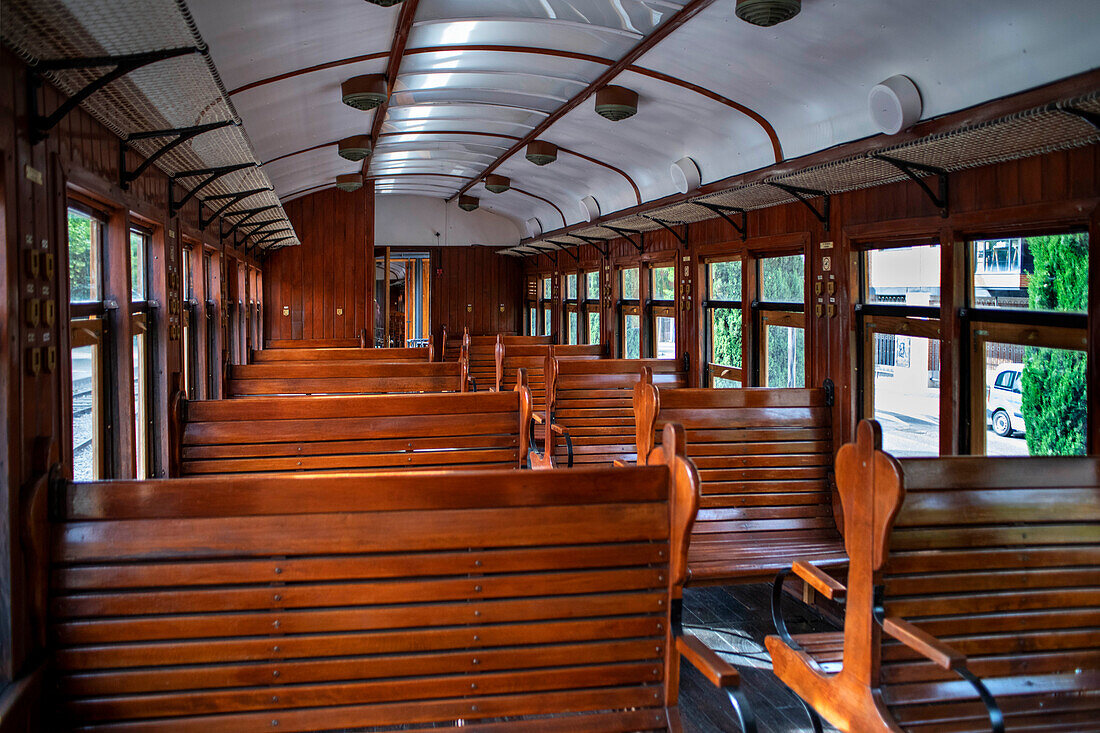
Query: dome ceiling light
(685, 174)
(468, 203)
(534, 227)
(385, 3)
(541, 152)
(356, 147)
(497, 184)
(616, 103)
(590, 208)
(349, 182)
(895, 104)
(364, 92)
(767, 13)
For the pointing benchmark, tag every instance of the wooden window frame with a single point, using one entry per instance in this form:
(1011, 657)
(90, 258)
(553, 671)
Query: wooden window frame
(659, 308)
(775, 313)
(571, 305)
(629, 307)
(711, 369)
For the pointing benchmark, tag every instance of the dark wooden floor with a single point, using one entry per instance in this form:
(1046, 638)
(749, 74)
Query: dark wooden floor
(734, 621)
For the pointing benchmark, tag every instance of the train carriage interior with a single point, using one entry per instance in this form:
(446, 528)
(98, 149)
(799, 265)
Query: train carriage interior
(550, 365)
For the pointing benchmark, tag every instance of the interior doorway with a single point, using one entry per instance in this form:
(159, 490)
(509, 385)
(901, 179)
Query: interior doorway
(401, 299)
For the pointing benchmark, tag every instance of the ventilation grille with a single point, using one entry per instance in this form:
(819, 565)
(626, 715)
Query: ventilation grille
(1023, 135)
(179, 92)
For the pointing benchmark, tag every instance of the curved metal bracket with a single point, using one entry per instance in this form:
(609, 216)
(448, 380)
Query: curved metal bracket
(627, 234)
(569, 252)
(604, 250)
(724, 212)
(212, 174)
(248, 214)
(681, 238)
(804, 195)
(910, 169)
(230, 200)
(1090, 117)
(40, 125)
(777, 610)
(179, 136)
(546, 251)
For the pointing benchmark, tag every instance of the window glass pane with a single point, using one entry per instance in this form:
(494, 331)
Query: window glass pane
(593, 327)
(632, 337)
(724, 280)
(663, 282)
(532, 322)
(546, 322)
(782, 279)
(85, 237)
(546, 288)
(137, 265)
(629, 283)
(719, 383)
(907, 394)
(188, 285)
(87, 450)
(571, 287)
(664, 334)
(1048, 273)
(725, 337)
(785, 360)
(141, 394)
(1035, 401)
(574, 324)
(593, 285)
(904, 276)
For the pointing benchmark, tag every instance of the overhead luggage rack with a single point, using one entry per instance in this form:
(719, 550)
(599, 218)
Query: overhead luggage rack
(141, 68)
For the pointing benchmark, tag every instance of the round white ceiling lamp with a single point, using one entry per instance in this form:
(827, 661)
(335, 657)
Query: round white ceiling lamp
(349, 182)
(534, 227)
(468, 203)
(895, 104)
(497, 184)
(541, 152)
(590, 208)
(616, 103)
(767, 13)
(364, 92)
(356, 147)
(685, 175)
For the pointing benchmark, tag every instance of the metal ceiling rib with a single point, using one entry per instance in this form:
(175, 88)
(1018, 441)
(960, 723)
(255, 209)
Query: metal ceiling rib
(180, 92)
(1026, 134)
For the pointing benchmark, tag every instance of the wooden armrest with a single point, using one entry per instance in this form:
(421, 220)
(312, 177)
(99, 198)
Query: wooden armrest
(554, 427)
(620, 463)
(923, 643)
(819, 580)
(536, 417)
(703, 658)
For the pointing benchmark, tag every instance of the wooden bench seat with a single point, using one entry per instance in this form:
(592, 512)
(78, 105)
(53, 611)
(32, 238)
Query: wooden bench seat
(341, 354)
(388, 432)
(345, 377)
(314, 603)
(533, 358)
(482, 353)
(335, 343)
(986, 576)
(589, 416)
(765, 458)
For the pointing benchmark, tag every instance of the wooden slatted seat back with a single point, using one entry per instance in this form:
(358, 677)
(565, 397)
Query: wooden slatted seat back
(345, 377)
(306, 603)
(765, 458)
(354, 343)
(533, 358)
(593, 401)
(391, 432)
(482, 354)
(961, 569)
(341, 354)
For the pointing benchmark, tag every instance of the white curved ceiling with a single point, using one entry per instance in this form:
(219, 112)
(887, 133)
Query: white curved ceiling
(476, 77)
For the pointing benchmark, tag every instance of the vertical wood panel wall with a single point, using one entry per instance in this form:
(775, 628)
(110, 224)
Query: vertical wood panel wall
(333, 269)
(477, 289)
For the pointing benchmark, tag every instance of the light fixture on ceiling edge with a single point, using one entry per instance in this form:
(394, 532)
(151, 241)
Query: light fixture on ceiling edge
(355, 148)
(364, 92)
(767, 13)
(616, 103)
(349, 182)
(497, 184)
(468, 203)
(541, 152)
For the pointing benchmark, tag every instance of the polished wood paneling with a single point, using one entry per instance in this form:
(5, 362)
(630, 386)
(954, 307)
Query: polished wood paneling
(332, 270)
(475, 288)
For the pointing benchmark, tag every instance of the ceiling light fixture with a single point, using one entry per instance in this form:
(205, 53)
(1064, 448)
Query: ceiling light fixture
(364, 92)
(468, 203)
(616, 103)
(895, 104)
(534, 227)
(767, 13)
(349, 182)
(541, 152)
(497, 184)
(355, 147)
(685, 174)
(590, 208)
(385, 3)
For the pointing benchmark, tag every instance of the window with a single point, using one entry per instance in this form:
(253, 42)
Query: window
(546, 295)
(630, 319)
(723, 323)
(900, 365)
(531, 293)
(570, 306)
(209, 279)
(662, 292)
(782, 323)
(1028, 323)
(592, 306)
(190, 353)
(88, 348)
(139, 329)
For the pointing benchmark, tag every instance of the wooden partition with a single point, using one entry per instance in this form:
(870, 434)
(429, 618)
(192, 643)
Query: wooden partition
(341, 354)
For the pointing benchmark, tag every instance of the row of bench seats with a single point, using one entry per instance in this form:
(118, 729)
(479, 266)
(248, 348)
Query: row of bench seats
(341, 354)
(305, 603)
(346, 377)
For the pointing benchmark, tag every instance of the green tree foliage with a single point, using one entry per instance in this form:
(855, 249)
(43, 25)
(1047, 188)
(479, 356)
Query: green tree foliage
(81, 286)
(664, 284)
(1053, 396)
(782, 280)
(632, 337)
(725, 284)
